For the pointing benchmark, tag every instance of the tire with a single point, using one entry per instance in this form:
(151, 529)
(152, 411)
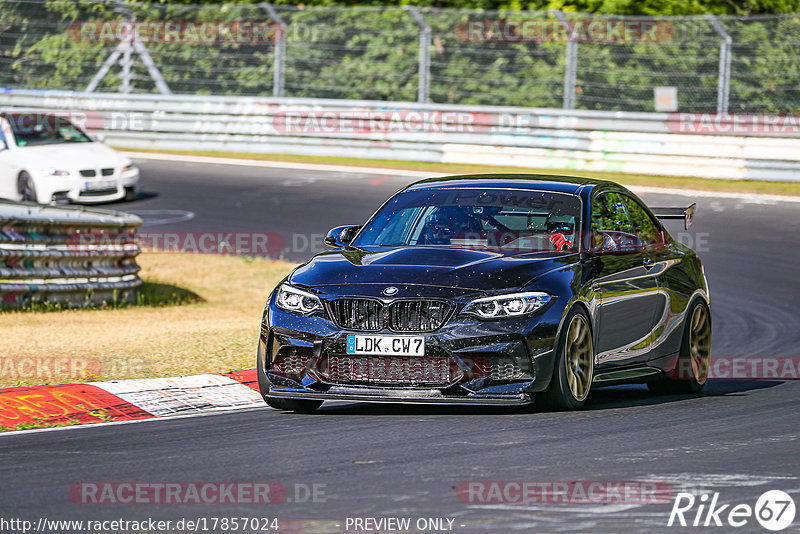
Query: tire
(294, 405)
(25, 188)
(573, 369)
(130, 194)
(694, 358)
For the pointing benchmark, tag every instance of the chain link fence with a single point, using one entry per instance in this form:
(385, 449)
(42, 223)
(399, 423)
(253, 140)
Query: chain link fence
(522, 58)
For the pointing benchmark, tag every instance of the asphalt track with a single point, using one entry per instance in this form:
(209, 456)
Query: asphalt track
(739, 438)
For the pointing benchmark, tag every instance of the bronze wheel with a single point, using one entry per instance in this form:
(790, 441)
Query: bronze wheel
(579, 358)
(700, 344)
(691, 370)
(573, 366)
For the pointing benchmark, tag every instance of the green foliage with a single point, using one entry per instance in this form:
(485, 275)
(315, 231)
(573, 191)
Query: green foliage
(372, 53)
(611, 7)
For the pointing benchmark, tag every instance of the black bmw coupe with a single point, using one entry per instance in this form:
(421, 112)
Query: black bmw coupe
(499, 289)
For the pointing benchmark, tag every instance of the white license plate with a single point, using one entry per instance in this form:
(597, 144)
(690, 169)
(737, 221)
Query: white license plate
(386, 345)
(101, 184)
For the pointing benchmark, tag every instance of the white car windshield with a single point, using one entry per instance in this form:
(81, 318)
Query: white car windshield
(35, 129)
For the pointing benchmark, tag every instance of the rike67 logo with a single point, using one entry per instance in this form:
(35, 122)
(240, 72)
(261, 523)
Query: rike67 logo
(774, 510)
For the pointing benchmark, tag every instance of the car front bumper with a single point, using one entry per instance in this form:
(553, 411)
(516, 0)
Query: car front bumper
(500, 362)
(77, 189)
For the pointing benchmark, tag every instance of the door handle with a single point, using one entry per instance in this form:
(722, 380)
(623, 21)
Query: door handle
(648, 263)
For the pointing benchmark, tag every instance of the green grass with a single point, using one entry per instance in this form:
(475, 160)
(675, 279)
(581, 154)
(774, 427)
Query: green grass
(703, 184)
(41, 423)
(148, 294)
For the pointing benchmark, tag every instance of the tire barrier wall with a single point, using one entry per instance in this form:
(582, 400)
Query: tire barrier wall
(67, 255)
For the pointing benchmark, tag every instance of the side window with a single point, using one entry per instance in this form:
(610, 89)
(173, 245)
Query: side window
(646, 228)
(609, 213)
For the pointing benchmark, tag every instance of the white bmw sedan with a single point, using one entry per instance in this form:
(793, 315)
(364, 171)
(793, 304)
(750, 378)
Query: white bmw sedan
(45, 158)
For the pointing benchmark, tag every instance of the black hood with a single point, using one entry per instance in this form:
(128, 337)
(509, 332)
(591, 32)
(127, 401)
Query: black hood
(443, 267)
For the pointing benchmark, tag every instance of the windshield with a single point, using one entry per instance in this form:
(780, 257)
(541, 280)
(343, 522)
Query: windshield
(32, 129)
(496, 219)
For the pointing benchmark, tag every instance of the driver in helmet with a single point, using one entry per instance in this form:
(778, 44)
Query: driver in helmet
(560, 233)
(445, 222)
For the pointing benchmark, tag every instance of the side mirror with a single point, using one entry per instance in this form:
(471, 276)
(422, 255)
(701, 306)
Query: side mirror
(341, 236)
(100, 137)
(612, 242)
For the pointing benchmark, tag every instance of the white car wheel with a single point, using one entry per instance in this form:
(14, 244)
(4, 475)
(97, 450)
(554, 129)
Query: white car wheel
(25, 187)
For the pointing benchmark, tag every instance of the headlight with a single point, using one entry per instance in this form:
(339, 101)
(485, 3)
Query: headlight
(512, 305)
(128, 168)
(297, 301)
(55, 172)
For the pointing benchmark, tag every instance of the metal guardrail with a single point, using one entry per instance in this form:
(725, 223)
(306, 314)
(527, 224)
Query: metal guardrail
(67, 255)
(637, 143)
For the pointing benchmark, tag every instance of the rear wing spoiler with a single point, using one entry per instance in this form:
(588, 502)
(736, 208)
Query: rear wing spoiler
(687, 214)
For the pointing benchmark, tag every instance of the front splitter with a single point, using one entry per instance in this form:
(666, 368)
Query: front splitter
(401, 396)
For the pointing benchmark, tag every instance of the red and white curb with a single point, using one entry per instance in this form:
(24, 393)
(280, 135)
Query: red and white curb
(128, 400)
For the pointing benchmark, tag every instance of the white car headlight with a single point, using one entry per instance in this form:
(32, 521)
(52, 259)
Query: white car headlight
(296, 300)
(511, 305)
(55, 172)
(129, 168)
